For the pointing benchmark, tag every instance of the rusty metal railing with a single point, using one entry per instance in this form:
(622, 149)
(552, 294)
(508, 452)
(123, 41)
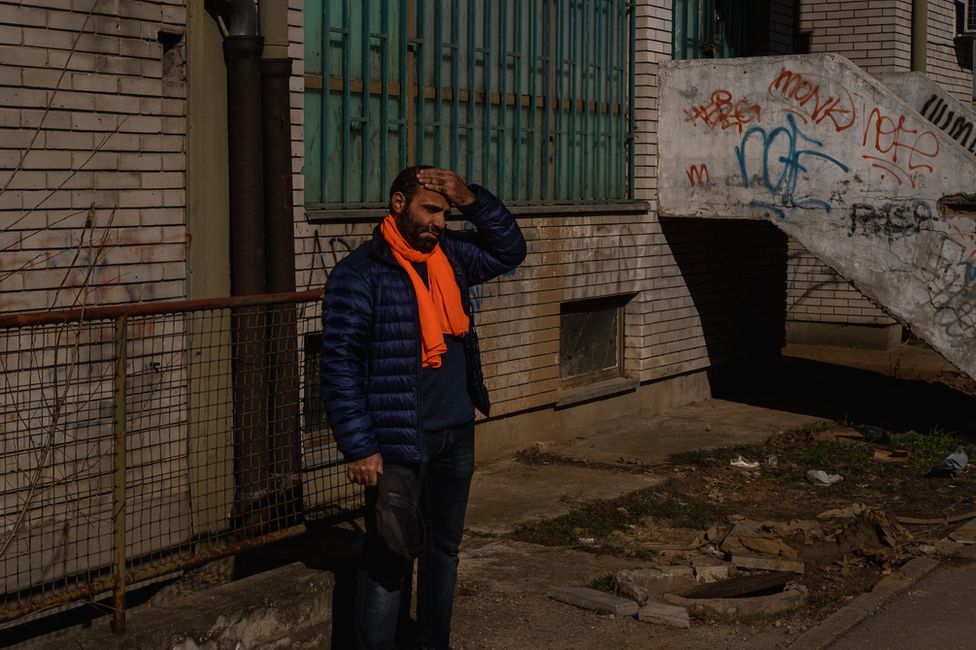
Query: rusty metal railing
(142, 439)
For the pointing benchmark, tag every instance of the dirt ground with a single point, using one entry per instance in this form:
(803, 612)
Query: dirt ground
(847, 535)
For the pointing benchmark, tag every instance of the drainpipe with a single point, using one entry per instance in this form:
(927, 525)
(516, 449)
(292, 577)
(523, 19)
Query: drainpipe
(242, 49)
(284, 432)
(920, 21)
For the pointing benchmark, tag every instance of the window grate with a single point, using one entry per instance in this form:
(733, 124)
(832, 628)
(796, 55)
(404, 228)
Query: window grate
(529, 99)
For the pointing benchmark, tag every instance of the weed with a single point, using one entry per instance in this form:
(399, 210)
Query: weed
(928, 447)
(714, 457)
(844, 457)
(822, 425)
(479, 534)
(603, 582)
(599, 519)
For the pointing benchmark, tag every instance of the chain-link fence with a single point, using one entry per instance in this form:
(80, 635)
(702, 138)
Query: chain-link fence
(142, 439)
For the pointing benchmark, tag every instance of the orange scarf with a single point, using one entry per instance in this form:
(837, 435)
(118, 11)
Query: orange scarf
(440, 305)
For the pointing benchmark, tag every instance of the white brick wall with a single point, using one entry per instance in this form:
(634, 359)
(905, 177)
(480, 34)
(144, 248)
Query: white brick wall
(943, 61)
(92, 141)
(874, 34)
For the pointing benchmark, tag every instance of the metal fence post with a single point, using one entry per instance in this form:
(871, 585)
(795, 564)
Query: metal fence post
(118, 493)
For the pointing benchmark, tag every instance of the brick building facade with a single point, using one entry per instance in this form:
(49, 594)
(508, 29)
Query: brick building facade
(101, 121)
(97, 97)
(114, 190)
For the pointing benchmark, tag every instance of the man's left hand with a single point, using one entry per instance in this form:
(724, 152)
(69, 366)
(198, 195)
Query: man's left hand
(446, 182)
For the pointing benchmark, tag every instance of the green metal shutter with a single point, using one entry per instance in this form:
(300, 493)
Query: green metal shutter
(531, 99)
(707, 29)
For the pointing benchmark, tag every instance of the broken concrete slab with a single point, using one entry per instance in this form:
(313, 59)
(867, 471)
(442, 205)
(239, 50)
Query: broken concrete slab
(709, 570)
(286, 607)
(643, 584)
(594, 600)
(792, 597)
(767, 563)
(663, 614)
(753, 538)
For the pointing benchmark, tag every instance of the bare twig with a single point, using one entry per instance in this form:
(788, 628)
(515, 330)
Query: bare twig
(47, 109)
(95, 256)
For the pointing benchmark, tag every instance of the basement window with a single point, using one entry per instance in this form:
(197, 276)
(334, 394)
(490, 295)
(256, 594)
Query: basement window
(591, 340)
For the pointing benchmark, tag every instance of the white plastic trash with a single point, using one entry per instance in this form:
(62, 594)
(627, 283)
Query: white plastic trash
(821, 477)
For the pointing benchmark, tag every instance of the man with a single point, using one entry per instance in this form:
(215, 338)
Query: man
(401, 377)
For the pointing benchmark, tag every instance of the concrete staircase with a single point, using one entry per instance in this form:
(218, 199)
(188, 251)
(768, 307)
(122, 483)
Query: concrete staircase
(940, 108)
(842, 163)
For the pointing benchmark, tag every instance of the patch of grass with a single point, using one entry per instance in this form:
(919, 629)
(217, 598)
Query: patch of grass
(714, 457)
(603, 582)
(925, 448)
(479, 534)
(822, 425)
(599, 519)
(839, 457)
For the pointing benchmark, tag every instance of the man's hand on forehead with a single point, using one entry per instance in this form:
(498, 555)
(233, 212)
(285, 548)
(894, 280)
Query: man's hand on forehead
(446, 182)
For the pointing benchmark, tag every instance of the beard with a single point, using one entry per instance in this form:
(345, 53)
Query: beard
(412, 231)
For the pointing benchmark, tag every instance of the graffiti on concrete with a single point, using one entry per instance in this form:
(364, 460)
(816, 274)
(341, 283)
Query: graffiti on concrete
(950, 291)
(893, 220)
(723, 112)
(959, 127)
(698, 175)
(897, 149)
(805, 96)
(783, 161)
(970, 272)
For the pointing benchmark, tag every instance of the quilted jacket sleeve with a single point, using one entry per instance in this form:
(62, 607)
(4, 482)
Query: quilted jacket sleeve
(496, 247)
(346, 323)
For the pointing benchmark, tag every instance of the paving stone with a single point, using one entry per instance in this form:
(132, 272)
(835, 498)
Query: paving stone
(597, 601)
(663, 614)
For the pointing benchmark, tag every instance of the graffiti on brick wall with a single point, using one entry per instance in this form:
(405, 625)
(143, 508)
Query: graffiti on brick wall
(959, 127)
(328, 251)
(786, 152)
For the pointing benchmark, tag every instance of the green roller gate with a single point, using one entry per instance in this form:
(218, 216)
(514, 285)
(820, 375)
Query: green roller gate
(532, 99)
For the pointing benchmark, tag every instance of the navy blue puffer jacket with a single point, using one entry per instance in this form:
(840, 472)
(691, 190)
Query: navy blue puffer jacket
(370, 361)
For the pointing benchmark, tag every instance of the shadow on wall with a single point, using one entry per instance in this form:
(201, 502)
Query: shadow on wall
(735, 272)
(963, 47)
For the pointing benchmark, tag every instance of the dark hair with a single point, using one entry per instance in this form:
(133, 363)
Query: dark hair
(406, 183)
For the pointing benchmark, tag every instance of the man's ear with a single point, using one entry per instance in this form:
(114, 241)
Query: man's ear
(398, 201)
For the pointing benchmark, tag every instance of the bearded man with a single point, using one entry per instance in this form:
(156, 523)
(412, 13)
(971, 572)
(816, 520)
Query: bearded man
(401, 378)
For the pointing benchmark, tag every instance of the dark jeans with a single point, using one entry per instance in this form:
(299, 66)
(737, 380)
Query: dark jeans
(444, 481)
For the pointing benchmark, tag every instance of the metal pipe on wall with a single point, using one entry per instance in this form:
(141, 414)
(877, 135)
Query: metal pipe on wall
(247, 233)
(283, 424)
(920, 20)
